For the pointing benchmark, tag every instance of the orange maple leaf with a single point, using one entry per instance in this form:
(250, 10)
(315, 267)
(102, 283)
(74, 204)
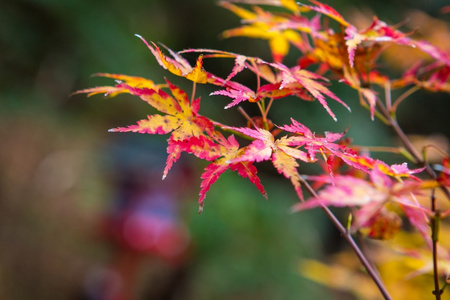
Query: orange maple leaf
(181, 118)
(262, 24)
(221, 151)
(178, 65)
(111, 91)
(283, 157)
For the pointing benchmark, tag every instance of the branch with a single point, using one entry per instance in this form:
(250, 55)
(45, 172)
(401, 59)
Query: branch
(435, 220)
(347, 236)
(409, 146)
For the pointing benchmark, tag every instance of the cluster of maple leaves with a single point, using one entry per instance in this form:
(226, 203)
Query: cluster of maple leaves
(348, 55)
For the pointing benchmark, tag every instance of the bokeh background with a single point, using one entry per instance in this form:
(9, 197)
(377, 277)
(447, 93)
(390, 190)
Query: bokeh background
(83, 212)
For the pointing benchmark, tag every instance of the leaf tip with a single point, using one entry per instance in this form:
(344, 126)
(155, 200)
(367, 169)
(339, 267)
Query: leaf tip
(112, 130)
(200, 208)
(294, 209)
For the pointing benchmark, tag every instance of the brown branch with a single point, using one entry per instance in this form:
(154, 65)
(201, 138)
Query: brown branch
(347, 236)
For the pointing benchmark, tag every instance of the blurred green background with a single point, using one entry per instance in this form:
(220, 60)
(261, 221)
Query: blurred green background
(62, 175)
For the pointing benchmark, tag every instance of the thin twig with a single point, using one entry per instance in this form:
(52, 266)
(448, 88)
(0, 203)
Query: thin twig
(347, 236)
(409, 146)
(390, 116)
(365, 250)
(434, 238)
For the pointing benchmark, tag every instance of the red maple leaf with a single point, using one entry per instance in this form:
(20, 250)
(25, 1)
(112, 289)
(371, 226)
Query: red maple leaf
(371, 198)
(379, 31)
(306, 138)
(222, 151)
(295, 78)
(265, 147)
(328, 11)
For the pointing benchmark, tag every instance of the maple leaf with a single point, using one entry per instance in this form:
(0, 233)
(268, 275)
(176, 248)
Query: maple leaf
(261, 27)
(370, 198)
(306, 138)
(289, 4)
(221, 151)
(265, 147)
(240, 92)
(351, 78)
(326, 146)
(213, 171)
(112, 91)
(327, 51)
(238, 95)
(366, 164)
(432, 50)
(328, 11)
(394, 260)
(275, 91)
(433, 77)
(410, 245)
(379, 31)
(235, 90)
(240, 61)
(261, 69)
(178, 65)
(297, 77)
(383, 225)
(444, 177)
(292, 5)
(181, 118)
(303, 24)
(254, 64)
(331, 52)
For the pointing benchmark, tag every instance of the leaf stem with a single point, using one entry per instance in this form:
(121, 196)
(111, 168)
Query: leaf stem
(258, 77)
(263, 114)
(347, 236)
(268, 107)
(194, 87)
(388, 96)
(246, 116)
